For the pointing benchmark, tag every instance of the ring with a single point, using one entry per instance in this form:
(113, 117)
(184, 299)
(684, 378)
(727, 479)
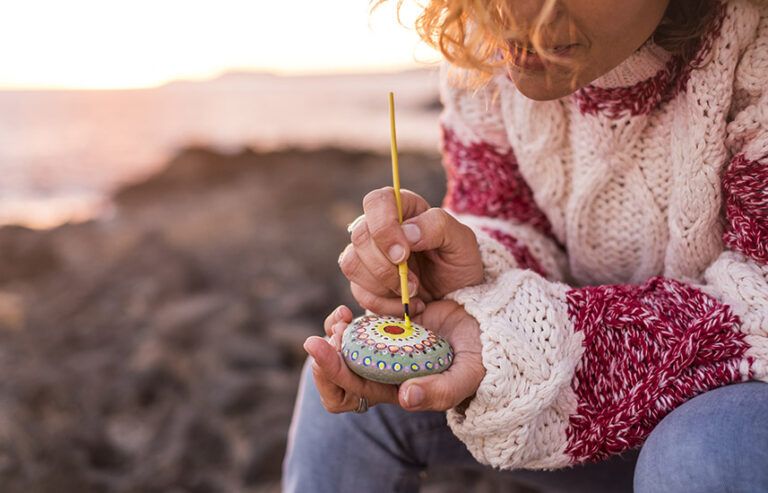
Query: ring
(351, 226)
(362, 405)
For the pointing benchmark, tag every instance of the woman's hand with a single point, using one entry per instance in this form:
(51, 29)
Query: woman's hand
(340, 389)
(442, 253)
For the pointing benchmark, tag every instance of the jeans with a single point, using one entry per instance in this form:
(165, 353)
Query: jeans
(716, 442)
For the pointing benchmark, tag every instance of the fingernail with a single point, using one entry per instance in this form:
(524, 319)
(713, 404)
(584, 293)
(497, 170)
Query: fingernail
(338, 327)
(412, 232)
(411, 288)
(351, 226)
(396, 254)
(310, 345)
(414, 396)
(419, 306)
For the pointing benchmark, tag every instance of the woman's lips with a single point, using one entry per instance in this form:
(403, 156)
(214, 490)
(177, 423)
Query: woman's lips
(532, 61)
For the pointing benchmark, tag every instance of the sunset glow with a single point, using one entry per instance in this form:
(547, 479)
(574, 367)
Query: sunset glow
(142, 43)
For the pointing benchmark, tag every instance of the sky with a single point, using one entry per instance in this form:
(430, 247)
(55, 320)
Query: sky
(106, 44)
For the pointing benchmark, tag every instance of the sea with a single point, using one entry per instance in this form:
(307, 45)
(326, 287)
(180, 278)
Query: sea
(63, 152)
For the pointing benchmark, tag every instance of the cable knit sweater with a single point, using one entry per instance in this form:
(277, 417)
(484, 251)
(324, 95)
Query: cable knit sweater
(624, 233)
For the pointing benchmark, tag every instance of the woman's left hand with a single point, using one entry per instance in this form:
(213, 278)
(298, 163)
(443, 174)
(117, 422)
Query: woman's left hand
(340, 389)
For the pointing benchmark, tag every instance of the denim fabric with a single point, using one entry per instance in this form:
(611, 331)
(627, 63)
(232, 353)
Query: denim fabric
(387, 449)
(716, 442)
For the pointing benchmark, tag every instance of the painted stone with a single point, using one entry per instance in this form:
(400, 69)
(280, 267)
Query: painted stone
(386, 350)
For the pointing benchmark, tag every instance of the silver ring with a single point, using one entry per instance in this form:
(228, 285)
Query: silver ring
(362, 405)
(351, 226)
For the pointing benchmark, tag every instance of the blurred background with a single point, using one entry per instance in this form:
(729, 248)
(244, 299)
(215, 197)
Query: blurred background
(175, 182)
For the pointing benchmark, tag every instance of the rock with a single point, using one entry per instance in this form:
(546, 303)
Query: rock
(387, 350)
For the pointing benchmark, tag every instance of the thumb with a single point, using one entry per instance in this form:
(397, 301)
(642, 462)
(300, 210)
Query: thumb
(435, 392)
(445, 390)
(437, 229)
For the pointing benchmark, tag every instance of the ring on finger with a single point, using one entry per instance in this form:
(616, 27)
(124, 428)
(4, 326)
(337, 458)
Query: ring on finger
(351, 226)
(362, 405)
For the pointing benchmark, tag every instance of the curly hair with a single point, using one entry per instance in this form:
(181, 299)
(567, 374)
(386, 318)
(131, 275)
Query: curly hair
(473, 33)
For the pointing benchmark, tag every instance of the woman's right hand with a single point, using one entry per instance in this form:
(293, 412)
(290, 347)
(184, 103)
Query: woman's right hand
(442, 253)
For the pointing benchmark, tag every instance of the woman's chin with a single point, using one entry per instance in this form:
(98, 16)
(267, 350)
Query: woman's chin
(540, 87)
(544, 85)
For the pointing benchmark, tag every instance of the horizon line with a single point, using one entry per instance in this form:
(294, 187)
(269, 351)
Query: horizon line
(323, 72)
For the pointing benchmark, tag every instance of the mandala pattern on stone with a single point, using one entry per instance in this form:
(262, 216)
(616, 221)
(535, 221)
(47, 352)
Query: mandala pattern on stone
(387, 345)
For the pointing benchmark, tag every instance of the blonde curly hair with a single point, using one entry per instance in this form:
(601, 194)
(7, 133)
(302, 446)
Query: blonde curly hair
(473, 33)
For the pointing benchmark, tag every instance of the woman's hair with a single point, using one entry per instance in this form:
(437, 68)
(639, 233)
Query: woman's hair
(473, 33)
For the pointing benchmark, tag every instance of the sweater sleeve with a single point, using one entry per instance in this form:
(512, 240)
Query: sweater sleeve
(578, 374)
(485, 188)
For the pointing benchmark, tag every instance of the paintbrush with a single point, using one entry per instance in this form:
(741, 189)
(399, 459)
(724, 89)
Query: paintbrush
(402, 267)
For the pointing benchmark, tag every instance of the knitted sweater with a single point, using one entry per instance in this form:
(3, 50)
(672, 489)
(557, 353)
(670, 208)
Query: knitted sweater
(624, 234)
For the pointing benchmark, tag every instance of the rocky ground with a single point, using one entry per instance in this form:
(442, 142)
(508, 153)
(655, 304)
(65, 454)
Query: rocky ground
(158, 349)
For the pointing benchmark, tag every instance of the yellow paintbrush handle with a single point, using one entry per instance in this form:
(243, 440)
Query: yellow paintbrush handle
(402, 268)
(395, 164)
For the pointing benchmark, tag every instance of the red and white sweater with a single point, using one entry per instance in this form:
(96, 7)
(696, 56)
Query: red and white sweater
(624, 233)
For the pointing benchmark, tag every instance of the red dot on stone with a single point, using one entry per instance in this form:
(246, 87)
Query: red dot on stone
(393, 329)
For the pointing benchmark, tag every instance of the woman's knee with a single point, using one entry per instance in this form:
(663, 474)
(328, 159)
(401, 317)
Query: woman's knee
(318, 438)
(718, 441)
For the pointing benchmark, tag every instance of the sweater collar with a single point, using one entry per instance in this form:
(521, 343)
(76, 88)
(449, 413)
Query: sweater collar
(643, 64)
(647, 79)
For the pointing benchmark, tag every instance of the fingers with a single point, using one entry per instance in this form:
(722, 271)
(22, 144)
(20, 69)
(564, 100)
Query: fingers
(335, 323)
(378, 243)
(363, 264)
(339, 388)
(383, 305)
(381, 216)
(340, 314)
(385, 282)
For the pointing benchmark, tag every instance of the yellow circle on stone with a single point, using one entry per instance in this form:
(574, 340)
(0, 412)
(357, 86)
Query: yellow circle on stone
(394, 330)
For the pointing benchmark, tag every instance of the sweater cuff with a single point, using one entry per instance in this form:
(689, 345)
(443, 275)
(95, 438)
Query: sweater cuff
(520, 413)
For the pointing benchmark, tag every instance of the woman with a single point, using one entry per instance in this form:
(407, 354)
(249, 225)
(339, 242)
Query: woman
(600, 264)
